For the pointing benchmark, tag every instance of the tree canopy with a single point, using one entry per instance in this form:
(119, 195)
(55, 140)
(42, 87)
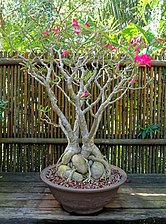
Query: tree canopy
(34, 15)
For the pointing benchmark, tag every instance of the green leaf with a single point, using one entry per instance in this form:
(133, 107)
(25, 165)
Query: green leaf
(144, 134)
(155, 126)
(129, 32)
(148, 35)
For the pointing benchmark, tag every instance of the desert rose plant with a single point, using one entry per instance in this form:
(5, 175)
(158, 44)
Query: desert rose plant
(87, 56)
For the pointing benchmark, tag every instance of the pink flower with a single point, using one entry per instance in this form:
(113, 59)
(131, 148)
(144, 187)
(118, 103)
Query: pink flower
(111, 46)
(65, 53)
(134, 80)
(46, 32)
(84, 94)
(87, 24)
(137, 50)
(75, 22)
(143, 60)
(55, 30)
(77, 30)
(135, 41)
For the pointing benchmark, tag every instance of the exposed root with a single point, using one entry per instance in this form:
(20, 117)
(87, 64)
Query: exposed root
(71, 175)
(70, 150)
(89, 178)
(60, 158)
(96, 152)
(84, 167)
(108, 172)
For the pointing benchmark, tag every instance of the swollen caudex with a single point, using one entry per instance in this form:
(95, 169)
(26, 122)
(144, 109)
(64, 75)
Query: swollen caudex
(75, 167)
(80, 164)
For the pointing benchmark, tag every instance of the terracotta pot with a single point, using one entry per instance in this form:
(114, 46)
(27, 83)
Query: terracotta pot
(83, 201)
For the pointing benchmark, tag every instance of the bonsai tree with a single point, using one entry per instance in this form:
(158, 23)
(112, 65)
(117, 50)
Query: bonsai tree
(87, 55)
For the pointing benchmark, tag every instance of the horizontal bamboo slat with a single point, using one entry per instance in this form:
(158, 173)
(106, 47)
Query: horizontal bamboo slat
(63, 141)
(17, 61)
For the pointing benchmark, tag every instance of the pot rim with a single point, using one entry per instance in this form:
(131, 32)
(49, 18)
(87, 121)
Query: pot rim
(62, 188)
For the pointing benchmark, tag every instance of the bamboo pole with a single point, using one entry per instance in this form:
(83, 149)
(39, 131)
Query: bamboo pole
(16, 61)
(97, 141)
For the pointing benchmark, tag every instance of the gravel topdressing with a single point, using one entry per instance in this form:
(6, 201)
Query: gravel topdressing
(85, 184)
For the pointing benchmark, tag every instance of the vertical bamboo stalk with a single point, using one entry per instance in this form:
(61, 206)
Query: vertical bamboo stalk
(152, 108)
(111, 126)
(127, 159)
(147, 121)
(116, 152)
(1, 124)
(124, 130)
(131, 127)
(144, 114)
(18, 120)
(9, 123)
(139, 120)
(33, 125)
(58, 148)
(135, 119)
(15, 128)
(159, 119)
(157, 105)
(122, 150)
(25, 100)
(39, 93)
(164, 134)
(6, 114)
(22, 124)
(29, 122)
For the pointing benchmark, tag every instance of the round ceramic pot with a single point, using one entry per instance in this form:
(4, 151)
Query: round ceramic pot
(83, 201)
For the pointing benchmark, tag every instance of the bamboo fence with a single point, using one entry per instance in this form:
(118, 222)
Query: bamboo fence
(29, 144)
